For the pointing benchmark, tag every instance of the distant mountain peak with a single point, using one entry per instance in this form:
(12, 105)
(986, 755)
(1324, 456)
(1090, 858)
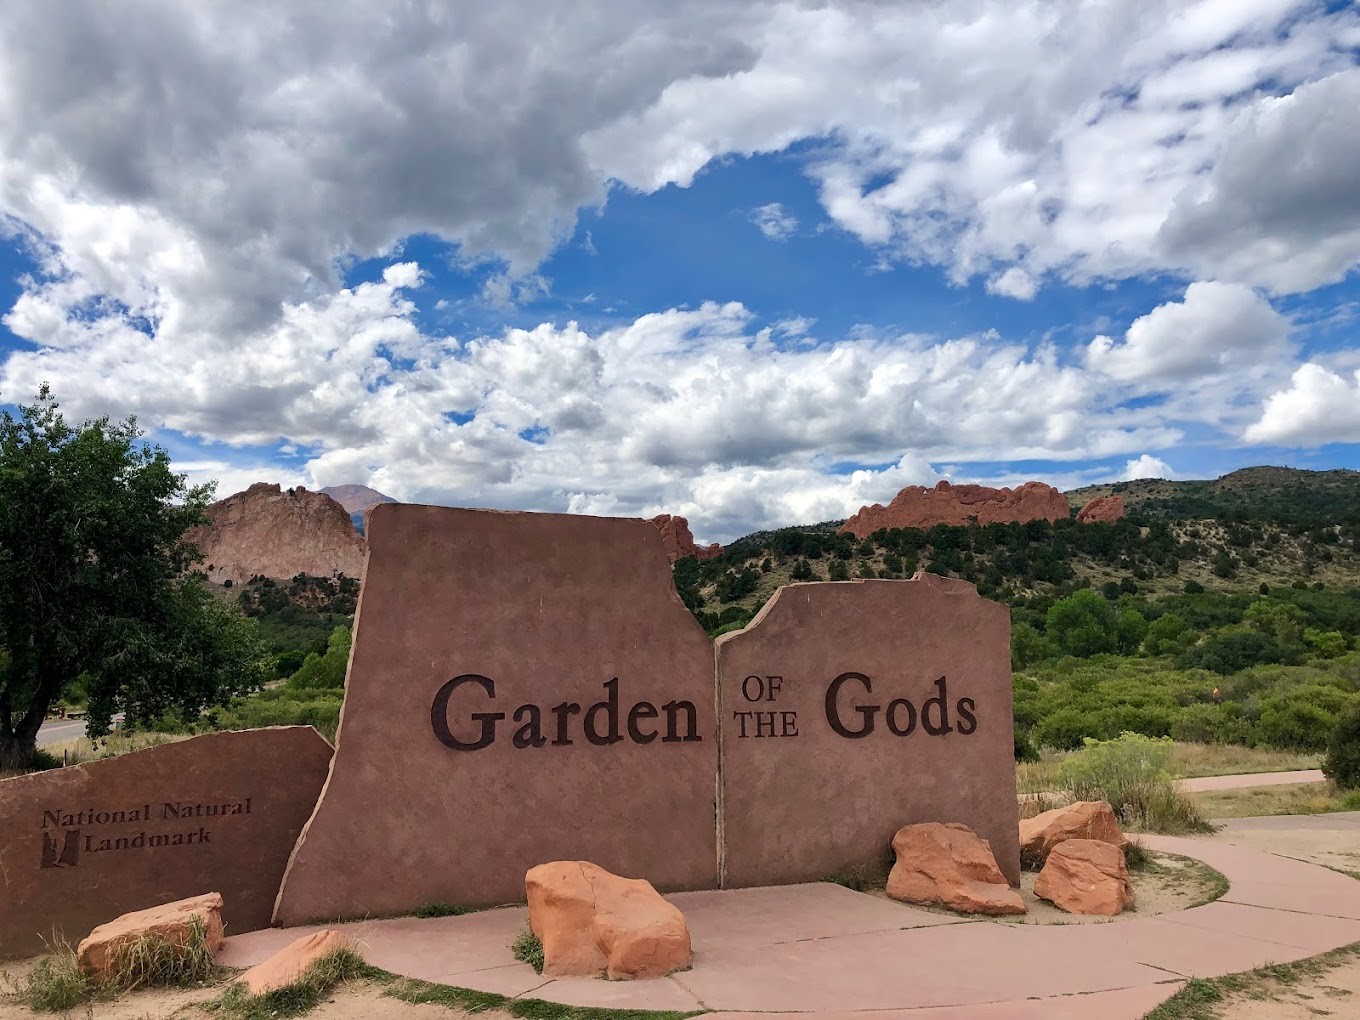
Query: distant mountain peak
(357, 500)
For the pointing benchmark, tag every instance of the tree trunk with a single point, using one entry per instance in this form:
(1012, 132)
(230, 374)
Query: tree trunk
(16, 750)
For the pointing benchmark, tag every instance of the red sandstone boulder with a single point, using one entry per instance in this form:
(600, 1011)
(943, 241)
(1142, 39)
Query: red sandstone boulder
(949, 865)
(271, 532)
(1086, 876)
(679, 542)
(292, 961)
(1106, 509)
(173, 922)
(592, 922)
(1086, 819)
(919, 507)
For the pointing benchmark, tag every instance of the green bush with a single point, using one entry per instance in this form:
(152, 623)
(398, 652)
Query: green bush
(1083, 624)
(1133, 774)
(1342, 764)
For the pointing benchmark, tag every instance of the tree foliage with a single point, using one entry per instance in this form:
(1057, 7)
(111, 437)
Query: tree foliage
(93, 593)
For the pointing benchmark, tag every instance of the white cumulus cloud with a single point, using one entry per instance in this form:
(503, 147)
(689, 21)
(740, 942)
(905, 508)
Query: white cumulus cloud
(1146, 466)
(1319, 406)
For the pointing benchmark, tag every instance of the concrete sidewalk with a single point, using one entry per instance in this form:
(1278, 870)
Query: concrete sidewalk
(822, 949)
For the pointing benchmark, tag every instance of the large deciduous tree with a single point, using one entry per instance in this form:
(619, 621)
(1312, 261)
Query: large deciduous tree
(94, 594)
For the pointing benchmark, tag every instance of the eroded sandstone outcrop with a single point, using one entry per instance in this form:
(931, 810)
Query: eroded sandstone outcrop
(592, 922)
(919, 507)
(949, 865)
(1104, 509)
(679, 542)
(273, 532)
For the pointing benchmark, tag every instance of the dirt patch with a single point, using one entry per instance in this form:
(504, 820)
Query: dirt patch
(1336, 993)
(354, 1000)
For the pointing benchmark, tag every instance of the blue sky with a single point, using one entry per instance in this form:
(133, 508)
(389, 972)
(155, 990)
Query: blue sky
(757, 267)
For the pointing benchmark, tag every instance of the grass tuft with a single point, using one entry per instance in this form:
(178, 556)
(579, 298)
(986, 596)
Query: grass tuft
(528, 948)
(1136, 856)
(55, 984)
(154, 960)
(440, 910)
(302, 996)
(469, 1001)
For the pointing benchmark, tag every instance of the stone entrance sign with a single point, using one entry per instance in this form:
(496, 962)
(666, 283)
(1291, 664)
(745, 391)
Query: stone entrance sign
(219, 813)
(851, 709)
(522, 688)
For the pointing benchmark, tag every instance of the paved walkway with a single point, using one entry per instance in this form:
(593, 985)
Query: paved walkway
(1207, 783)
(826, 950)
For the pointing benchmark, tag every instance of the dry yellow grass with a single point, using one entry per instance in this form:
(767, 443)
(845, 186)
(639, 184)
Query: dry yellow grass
(1294, 799)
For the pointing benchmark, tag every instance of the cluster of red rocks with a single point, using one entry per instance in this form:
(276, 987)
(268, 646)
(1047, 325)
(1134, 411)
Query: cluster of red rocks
(1081, 847)
(919, 507)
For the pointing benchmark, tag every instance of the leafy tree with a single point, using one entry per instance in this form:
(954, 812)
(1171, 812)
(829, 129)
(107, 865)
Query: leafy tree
(1342, 764)
(1131, 630)
(1283, 621)
(1028, 646)
(1167, 635)
(838, 571)
(92, 585)
(1326, 644)
(325, 671)
(802, 571)
(1083, 624)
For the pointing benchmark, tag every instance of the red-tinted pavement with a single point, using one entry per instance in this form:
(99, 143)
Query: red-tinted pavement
(826, 950)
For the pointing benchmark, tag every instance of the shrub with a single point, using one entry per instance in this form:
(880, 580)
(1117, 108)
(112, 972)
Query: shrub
(1295, 725)
(1083, 624)
(1024, 747)
(1342, 764)
(55, 984)
(1133, 774)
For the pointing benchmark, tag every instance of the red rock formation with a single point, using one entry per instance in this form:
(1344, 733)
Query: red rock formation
(174, 922)
(949, 865)
(1086, 876)
(275, 533)
(592, 922)
(678, 540)
(919, 507)
(1086, 819)
(1103, 508)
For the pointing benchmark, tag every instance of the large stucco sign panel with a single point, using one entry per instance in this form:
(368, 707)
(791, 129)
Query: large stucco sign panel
(522, 688)
(851, 709)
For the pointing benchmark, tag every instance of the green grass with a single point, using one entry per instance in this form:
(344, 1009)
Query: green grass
(421, 992)
(302, 996)
(527, 948)
(55, 984)
(440, 910)
(1200, 997)
(154, 960)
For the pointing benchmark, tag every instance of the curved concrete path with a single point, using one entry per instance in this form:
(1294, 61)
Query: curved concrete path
(823, 949)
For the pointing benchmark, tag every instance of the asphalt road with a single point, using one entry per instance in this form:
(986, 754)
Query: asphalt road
(58, 732)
